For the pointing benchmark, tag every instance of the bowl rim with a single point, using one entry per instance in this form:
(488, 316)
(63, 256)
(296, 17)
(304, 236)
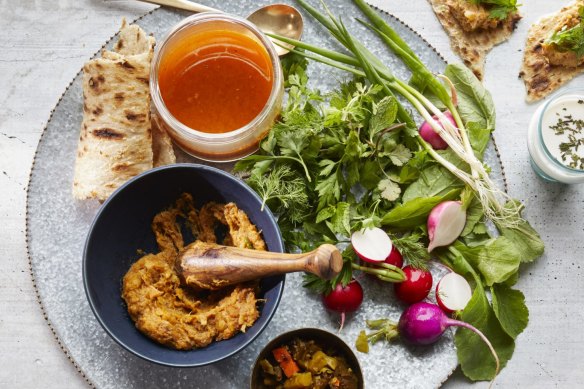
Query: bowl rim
(309, 330)
(104, 206)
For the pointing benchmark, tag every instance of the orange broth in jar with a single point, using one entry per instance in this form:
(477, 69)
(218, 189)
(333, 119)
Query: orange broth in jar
(216, 81)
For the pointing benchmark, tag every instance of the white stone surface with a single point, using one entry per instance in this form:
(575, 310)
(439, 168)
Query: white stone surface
(45, 43)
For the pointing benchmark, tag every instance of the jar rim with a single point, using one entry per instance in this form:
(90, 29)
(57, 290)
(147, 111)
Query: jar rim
(555, 97)
(197, 135)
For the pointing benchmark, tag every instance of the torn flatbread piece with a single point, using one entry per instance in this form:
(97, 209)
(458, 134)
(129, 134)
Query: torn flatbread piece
(115, 143)
(472, 30)
(547, 67)
(162, 149)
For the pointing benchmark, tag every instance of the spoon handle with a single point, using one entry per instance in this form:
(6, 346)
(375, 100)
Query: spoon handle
(183, 4)
(211, 266)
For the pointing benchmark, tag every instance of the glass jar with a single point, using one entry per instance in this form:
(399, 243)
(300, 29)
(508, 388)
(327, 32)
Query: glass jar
(543, 143)
(209, 146)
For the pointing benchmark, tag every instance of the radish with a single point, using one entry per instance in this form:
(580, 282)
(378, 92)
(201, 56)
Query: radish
(445, 223)
(395, 258)
(424, 323)
(429, 135)
(453, 292)
(415, 287)
(344, 299)
(372, 245)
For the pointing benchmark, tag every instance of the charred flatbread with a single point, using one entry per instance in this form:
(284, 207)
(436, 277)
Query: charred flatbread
(543, 70)
(473, 33)
(115, 142)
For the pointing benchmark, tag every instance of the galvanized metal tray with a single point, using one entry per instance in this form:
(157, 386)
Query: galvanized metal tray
(57, 226)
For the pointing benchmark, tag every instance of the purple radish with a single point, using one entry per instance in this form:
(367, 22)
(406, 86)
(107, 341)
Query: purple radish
(424, 323)
(429, 135)
(445, 223)
(344, 299)
(453, 292)
(372, 245)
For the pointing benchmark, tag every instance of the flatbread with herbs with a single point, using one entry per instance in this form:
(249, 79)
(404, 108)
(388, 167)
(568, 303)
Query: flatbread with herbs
(473, 33)
(541, 72)
(115, 143)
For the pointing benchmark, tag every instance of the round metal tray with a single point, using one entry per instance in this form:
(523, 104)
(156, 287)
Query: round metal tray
(57, 226)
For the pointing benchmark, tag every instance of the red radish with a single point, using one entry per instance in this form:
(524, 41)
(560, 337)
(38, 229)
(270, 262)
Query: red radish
(344, 299)
(371, 245)
(445, 223)
(429, 135)
(453, 292)
(416, 286)
(395, 258)
(424, 323)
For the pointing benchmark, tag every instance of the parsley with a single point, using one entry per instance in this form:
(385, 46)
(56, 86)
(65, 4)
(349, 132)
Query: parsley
(499, 9)
(570, 39)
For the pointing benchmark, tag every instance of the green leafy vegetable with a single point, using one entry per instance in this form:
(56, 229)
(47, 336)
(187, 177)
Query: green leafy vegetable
(510, 309)
(475, 103)
(499, 9)
(526, 240)
(474, 356)
(433, 181)
(416, 211)
(570, 39)
(496, 260)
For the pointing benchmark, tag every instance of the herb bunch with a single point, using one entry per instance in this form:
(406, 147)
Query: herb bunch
(331, 166)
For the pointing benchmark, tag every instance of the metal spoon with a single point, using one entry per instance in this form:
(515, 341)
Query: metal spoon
(279, 19)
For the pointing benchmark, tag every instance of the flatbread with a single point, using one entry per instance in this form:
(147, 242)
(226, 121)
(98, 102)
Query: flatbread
(472, 47)
(162, 149)
(540, 77)
(115, 143)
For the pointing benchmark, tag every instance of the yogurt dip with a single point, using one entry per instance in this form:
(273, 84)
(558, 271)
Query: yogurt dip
(555, 138)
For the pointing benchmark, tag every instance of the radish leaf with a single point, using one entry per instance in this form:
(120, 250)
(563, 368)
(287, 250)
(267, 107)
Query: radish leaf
(509, 306)
(526, 240)
(474, 356)
(433, 181)
(474, 214)
(414, 212)
(479, 138)
(497, 259)
(475, 103)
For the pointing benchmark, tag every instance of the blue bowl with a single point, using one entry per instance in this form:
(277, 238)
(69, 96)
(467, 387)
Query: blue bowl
(122, 226)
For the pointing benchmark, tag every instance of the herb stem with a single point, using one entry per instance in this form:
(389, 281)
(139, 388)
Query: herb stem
(390, 273)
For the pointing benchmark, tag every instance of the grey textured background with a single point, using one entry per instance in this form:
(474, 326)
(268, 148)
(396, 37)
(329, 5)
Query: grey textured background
(46, 42)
